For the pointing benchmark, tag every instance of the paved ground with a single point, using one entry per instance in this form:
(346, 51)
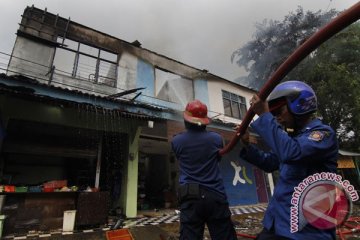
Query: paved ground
(164, 225)
(158, 225)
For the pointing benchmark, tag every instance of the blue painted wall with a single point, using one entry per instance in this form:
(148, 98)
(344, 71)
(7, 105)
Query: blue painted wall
(145, 77)
(244, 190)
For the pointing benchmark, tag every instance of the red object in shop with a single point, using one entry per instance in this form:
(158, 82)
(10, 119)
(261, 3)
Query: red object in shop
(55, 184)
(48, 189)
(9, 188)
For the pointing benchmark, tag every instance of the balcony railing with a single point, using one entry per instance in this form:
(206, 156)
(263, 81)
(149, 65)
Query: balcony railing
(104, 86)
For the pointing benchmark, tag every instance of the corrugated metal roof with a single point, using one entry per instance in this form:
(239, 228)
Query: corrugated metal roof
(123, 110)
(25, 87)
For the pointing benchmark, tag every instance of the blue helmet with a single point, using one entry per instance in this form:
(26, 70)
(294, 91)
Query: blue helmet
(299, 96)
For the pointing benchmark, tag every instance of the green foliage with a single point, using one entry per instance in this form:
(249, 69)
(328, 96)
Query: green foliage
(334, 73)
(332, 69)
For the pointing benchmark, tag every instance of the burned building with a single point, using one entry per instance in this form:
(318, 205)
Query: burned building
(87, 120)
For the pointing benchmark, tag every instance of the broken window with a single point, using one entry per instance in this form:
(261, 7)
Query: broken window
(86, 68)
(64, 61)
(107, 73)
(173, 88)
(86, 62)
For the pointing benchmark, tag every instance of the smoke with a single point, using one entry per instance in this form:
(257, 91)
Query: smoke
(201, 33)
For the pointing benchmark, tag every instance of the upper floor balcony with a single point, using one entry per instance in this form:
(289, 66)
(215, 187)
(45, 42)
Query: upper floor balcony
(59, 52)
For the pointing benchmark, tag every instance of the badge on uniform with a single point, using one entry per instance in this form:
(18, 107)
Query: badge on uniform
(316, 136)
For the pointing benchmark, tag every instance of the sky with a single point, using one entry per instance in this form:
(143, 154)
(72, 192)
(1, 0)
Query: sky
(199, 33)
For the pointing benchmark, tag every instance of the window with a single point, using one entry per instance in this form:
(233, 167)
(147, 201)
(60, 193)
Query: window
(85, 62)
(64, 61)
(234, 105)
(173, 88)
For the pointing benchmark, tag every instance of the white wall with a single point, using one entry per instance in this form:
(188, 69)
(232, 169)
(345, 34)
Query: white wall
(31, 59)
(216, 102)
(127, 71)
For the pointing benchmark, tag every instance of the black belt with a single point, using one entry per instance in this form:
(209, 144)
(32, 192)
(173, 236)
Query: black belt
(192, 191)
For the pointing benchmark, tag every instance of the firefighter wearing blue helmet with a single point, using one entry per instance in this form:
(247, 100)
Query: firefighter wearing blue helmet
(300, 145)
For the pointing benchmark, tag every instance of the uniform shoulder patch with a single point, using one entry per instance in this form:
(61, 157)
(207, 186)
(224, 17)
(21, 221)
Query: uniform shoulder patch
(316, 136)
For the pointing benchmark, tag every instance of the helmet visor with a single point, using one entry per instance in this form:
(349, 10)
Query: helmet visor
(276, 104)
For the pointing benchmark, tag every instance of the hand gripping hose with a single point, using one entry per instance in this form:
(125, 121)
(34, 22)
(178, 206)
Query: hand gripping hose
(336, 25)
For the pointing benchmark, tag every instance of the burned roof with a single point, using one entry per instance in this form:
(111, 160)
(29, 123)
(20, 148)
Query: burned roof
(29, 88)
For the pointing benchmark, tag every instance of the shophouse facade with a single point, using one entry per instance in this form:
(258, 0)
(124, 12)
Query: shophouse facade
(99, 112)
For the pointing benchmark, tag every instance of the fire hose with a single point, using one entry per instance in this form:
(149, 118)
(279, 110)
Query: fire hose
(349, 228)
(336, 25)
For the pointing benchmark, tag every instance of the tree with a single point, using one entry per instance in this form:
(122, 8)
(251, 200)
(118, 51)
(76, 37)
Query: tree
(332, 69)
(274, 41)
(334, 74)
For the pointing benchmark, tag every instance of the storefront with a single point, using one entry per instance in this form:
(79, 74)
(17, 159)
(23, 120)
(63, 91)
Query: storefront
(58, 155)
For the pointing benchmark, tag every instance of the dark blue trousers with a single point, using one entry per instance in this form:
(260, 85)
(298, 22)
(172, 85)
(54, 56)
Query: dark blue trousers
(211, 209)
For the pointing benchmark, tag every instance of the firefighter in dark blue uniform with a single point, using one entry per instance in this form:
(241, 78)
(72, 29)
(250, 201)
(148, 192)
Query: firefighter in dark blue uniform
(300, 144)
(201, 193)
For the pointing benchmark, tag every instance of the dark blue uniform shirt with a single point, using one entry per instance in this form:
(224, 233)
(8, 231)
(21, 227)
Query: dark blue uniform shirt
(198, 156)
(313, 149)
